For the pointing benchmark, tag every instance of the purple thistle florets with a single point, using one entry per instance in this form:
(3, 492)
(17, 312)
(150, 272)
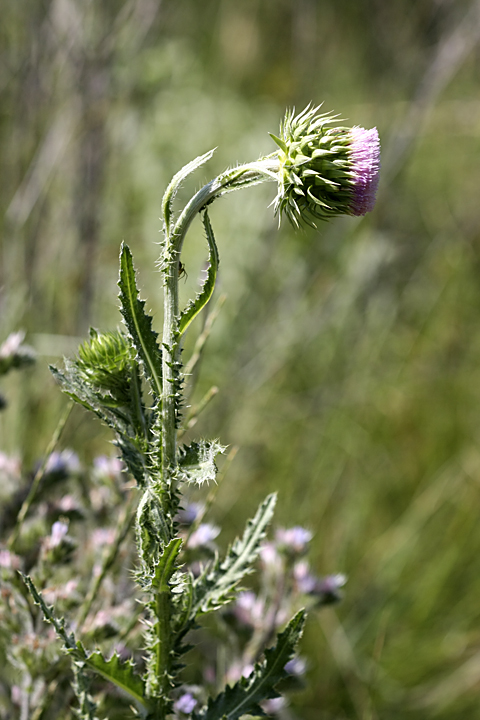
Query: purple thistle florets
(365, 155)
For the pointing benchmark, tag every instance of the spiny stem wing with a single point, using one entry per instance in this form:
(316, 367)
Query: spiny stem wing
(117, 672)
(139, 324)
(244, 697)
(206, 291)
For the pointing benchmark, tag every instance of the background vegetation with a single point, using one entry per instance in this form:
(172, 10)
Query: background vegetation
(348, 359)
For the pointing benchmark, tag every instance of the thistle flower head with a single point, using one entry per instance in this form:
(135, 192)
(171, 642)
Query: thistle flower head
(325, 171)
(105, 361)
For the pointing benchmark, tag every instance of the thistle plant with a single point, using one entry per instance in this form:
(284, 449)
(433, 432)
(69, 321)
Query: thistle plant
(133, 380)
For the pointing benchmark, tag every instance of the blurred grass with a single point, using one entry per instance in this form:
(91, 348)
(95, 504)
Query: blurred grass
(347, 359)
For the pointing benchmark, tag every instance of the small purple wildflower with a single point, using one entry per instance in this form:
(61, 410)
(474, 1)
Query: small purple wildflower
(274, 705)
(304, 580)
(59, 530)
(13, 354)
(270, 558)
(9, 560)
(328, 589)
(365, 158)
(188, 514)
(11, 345)
(68, 504)
(203, 536)
(185, 703)
(65, 462)
(109, 467)
(238, 670)
(296, 667)
(248, 609)
(293, 540)
(102, 536)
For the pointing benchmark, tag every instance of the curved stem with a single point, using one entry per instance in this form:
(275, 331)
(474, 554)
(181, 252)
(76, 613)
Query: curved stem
(242, 176)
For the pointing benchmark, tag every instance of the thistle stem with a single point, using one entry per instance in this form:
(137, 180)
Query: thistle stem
(242, 176)
(170, 352)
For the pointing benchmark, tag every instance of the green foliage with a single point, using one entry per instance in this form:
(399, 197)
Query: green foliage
(160, 641)
(113, 670)
(244, 696)
(138, 323)
(194, 307)
(213, 588)
(351, 357)
(197, 461)
(113, 393)
(105, 378)
(175, 184)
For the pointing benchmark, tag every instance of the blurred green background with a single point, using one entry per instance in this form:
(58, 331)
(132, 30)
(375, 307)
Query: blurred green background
(348, 359)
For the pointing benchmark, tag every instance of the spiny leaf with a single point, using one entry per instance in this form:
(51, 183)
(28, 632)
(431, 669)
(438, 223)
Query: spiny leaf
(131, 445)
(159, 640)
(81, 688)
(139, 324)
(244, 697)
(197, 461)
(117, 672)
(206, 292)
(152, 532)
(177, 180)
(213, 587)
(166, 566)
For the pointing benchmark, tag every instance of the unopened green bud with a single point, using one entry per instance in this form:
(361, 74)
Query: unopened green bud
(106, 362)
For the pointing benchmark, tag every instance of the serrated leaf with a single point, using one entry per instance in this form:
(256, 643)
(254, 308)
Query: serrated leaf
(197, 461)
(214, 586)
(206, 291)
(177, 180)
(117, 672)
(76, 388)
(244, 697)
(80, 391)
(138, 323)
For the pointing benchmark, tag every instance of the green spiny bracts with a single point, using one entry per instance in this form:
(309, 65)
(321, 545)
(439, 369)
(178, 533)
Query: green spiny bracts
(325, 171)
(106, 362)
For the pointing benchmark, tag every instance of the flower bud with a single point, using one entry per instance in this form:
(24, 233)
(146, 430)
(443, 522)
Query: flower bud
(325, 171)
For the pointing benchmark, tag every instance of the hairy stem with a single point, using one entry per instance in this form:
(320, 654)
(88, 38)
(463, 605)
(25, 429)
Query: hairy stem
(242, 176)
(170, 352)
